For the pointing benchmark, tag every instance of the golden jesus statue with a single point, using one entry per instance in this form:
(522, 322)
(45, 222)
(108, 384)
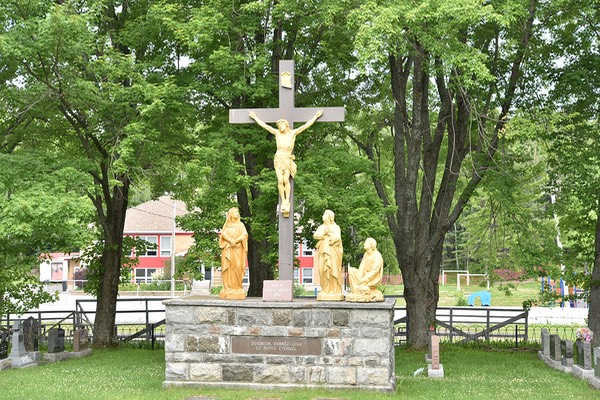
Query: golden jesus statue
(285, 138)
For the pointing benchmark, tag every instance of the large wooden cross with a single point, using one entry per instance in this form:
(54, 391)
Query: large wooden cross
(287, 110)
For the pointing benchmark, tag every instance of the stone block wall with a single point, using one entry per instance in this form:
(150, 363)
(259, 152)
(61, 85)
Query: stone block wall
(255, 344)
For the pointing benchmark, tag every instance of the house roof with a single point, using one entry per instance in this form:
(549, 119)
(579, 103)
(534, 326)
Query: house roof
(154, 216)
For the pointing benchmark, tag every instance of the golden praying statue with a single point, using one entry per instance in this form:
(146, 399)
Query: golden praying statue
(285, 138)
(365, 279)
(329, 251)
(234, 248)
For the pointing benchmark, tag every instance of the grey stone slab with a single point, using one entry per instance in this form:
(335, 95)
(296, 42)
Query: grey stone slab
(597, 362)
(31, 333)
(583, 354)
(555, 353)
(545, 342)
(56, 356)
(5, 364)
(566, 349)
(56, 340)
(581, 373)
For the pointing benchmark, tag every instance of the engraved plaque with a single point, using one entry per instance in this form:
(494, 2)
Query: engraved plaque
(276, 345)
(278, 290)
(286, 80)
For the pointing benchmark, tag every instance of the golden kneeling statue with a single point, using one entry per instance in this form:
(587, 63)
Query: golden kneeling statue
(234, 248)
(365, 279)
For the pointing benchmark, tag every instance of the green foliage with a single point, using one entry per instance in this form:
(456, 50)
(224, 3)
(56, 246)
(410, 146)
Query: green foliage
(215, 290)
(41, 211)
(91, 257)
(299, 290)
(461, 301)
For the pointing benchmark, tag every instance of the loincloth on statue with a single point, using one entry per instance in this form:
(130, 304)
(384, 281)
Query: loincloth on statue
(283, 162)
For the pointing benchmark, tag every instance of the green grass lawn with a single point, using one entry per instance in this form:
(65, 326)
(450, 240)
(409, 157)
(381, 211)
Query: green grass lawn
(131, 374)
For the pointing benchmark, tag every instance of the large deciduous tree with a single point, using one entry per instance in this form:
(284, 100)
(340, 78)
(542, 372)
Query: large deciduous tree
(96, 76)
(453, 71)
(570, 65)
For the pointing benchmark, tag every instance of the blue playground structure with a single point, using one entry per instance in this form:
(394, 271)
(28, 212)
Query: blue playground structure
(484, 295)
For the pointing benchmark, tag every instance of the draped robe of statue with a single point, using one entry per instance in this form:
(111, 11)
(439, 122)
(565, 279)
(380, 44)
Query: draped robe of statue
(234, 249)
(365, 280)
(330, 251)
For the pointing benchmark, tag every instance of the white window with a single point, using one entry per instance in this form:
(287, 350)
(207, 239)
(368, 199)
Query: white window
(165, 246)
(307, 275)
(296, 275)
(144, 275)
(246, 279)
(307, 251)
(152, 240)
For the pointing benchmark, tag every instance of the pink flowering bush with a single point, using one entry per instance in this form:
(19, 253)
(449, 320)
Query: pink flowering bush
(584, 334)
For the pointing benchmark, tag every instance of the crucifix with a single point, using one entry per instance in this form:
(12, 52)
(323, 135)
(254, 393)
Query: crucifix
(285, 116)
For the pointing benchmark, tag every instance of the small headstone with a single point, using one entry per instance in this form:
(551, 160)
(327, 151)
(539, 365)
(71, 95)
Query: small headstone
(3, 345)
(597, 362)
(583, 354)
(594, 380)
(56, 340)
(583, 360)
(278, 290)
(545, 342)
(430, 333)
(566, 349)
(435, 369)
(19, 356)
(555, 348)
(31, 334)
(80, 340)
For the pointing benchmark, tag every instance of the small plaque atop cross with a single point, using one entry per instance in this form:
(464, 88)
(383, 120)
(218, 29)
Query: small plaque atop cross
(286, 111)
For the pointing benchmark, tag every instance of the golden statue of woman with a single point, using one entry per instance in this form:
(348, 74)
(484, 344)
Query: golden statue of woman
(234, 248)
(285, 138)
(329, 252)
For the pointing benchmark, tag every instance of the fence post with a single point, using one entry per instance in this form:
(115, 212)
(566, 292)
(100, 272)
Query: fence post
(148, 333)
(487, 324)
(526, 325)
(516, 336)
(451, 326)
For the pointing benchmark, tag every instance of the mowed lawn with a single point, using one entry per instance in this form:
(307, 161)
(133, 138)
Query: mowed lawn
(138, 374)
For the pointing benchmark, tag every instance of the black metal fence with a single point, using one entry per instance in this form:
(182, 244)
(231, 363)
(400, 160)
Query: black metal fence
(466, 324)
(453, 324)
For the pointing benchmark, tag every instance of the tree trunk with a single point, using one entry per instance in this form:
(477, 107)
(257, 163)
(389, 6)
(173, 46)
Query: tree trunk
(594, 311)
(106, 303)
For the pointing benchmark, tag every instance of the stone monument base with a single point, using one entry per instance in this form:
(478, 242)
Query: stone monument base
(581, 373)
(233, 294)
(82, 353)
(435, 373)
(25, 360)
(330, 296)
(256, 344)
(365, 298)
(5, 363)
(55, 357)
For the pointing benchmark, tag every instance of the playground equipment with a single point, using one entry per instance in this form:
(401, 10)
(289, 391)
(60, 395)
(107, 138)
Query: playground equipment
(485, 297)
(562, 289)
(461, 273)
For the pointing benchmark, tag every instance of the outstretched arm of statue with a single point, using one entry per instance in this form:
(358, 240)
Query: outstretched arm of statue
(262, 123)
(308, 123)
